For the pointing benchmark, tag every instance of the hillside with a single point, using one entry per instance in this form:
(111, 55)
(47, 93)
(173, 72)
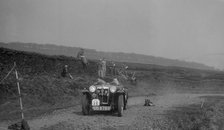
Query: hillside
(42, 87)
(50, 49)
(44, 90)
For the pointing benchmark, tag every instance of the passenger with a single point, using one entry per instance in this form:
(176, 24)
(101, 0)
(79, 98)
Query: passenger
(115, 81)
(100, 81)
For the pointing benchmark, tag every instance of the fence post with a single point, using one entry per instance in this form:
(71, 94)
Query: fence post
(20, 97)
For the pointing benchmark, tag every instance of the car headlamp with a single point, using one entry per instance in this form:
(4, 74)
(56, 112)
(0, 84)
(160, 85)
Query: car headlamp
(92, 88)
(113, 89)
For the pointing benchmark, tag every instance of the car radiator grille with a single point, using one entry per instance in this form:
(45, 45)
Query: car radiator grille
(103, 95)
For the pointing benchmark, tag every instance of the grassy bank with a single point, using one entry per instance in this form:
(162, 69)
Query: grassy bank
(44, 90)
(209, 116)
(40, 94)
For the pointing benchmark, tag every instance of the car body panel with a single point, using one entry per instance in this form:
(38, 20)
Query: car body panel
(103, 99)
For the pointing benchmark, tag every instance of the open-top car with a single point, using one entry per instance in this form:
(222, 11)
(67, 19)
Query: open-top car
(102, 96)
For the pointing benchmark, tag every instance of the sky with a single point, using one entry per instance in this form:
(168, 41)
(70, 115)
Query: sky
(190, 30)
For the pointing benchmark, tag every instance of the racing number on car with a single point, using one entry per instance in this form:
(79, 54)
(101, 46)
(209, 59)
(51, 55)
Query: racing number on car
(95, 102)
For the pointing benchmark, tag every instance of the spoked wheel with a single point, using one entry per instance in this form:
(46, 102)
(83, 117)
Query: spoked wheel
(120, 105)
(85, 105)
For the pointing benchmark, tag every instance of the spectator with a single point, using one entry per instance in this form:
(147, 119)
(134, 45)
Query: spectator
(84, 62)
(65, 72)
(83, 59)
(114, 68)
(100, 69)
(80, 53)
(104, 65)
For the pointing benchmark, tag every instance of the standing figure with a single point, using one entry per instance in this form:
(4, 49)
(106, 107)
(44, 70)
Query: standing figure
(80, 54)
(126, 70)
(83, 59)
(100, 69)
(111, 68)
(84, 62)
(114, 69)
(104, 67)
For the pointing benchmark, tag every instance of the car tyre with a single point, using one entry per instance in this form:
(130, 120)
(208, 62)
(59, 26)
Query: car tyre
(126, 101)
(120, 105)
(85, 105)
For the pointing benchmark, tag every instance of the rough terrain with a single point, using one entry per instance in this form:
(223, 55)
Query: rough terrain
(52, 102)
(136, 117)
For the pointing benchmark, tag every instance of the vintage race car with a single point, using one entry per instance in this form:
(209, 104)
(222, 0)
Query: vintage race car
(102, 96)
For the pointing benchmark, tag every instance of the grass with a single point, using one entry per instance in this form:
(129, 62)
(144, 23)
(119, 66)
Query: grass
(43, 89)
(44, 93)
(40, 94)
(193, 117)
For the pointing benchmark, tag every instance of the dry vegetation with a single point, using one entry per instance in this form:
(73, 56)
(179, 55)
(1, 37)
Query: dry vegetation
(44, 90)
(209, 116)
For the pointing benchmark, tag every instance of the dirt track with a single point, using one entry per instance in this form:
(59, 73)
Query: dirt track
(136, 117)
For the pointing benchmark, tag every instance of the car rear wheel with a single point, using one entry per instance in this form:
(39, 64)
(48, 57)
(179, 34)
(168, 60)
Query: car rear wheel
(126, 101)
(85, 105)
(120, 105)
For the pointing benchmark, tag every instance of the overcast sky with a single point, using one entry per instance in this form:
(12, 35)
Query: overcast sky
(190, 30)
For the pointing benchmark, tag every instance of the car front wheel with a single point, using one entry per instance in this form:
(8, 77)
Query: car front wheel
(120, 105)
(85, 105)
